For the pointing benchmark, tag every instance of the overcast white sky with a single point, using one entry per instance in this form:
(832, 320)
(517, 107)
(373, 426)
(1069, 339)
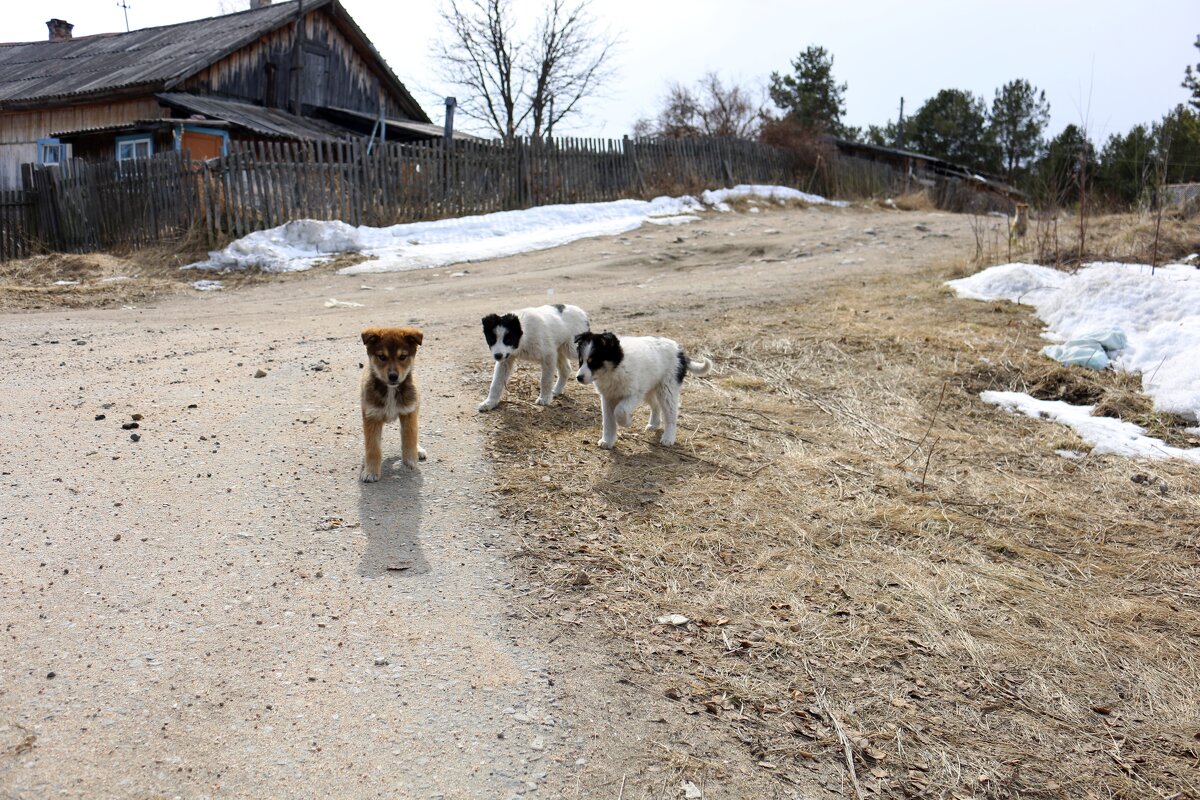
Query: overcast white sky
(1107, 63)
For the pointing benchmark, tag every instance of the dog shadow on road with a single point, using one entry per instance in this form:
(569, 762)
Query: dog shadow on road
(390, 512)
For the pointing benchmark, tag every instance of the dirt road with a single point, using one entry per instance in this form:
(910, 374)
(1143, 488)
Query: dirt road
(222, 610)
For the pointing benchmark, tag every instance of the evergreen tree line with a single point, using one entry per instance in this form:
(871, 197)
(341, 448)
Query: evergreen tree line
(1005, 138)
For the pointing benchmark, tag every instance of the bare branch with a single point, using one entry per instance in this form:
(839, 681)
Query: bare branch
(514, 87)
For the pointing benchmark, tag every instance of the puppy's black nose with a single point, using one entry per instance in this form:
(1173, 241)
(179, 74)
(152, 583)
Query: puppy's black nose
(499, 357)
(393, 377)
(579, 378)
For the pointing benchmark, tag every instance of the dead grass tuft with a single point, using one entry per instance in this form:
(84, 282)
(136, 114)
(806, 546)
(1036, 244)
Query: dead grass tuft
(915, 201)
(859, 543)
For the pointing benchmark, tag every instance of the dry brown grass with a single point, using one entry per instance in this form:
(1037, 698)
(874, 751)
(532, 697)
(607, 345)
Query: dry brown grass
(1110, 237)
(914, 201)
(851, 532)
(140, 276)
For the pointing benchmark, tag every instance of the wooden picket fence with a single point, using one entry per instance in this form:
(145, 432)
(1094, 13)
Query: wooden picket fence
(16, 209)
(80, 206)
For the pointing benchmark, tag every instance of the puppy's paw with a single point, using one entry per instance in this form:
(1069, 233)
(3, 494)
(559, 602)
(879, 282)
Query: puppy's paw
(486, 405)
(544, 401)
(410, 464)
(369, 476)
(421, 456)
(667, 441)
(606, 444)
(650, 426)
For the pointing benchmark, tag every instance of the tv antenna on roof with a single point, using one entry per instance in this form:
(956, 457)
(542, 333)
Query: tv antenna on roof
(125, 7)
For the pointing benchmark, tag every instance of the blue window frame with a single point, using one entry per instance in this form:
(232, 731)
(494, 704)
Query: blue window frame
(51, 151)
(134, 145)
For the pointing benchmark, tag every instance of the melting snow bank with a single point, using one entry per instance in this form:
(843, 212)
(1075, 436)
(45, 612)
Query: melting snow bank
(302, 244)
(1145, 320)
(719, 198)
(1158, 313)
(1105, 434)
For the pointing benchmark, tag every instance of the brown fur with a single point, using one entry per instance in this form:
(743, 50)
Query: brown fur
(1020, 222)
(390, 352)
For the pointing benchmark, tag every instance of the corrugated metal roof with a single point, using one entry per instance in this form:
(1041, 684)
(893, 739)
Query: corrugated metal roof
(424, 130)
(260, 120)
(152, 57)
(38, 74)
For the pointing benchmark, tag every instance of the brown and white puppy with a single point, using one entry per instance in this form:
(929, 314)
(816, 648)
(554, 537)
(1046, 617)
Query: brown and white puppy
(389, 392)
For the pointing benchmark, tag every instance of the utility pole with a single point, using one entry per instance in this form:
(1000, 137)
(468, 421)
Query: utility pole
(900, 127)
(125, 7)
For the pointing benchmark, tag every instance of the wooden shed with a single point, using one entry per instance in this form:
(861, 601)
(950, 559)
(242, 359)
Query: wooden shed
(300, 70)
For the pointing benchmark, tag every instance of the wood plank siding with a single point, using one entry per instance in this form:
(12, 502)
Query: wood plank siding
(89, 87)
(261, 72)
(20, 130)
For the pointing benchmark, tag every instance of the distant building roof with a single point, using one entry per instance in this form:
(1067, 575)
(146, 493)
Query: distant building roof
(934, 164)
(263, 121)
(38, 74)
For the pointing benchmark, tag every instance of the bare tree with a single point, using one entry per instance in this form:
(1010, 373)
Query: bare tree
(711, 109)
(728, 111)
(480, 54)
(571, 61)
(518, 83)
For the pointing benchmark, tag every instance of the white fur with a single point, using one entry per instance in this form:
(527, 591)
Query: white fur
(647, 372)
(547, 337)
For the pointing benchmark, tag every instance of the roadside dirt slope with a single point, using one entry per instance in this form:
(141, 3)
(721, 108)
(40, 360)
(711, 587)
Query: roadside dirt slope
(220, 609)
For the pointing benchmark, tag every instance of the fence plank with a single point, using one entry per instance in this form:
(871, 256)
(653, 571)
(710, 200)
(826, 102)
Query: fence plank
(80, 206)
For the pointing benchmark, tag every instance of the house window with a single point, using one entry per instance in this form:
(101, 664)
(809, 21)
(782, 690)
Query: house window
(50, 151)
(131, 147)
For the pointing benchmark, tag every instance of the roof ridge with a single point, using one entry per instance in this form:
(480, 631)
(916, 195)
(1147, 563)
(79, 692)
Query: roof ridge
(111, 34)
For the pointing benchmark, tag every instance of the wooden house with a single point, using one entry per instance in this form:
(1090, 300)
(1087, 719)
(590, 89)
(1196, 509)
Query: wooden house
(300, 70)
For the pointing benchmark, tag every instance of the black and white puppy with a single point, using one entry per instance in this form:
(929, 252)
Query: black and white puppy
(631, 369)
(544, 334)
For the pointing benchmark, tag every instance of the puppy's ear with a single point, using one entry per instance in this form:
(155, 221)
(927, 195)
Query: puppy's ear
(414, 338)
(490, 321)
(607, 339)
(580, 338)
(370, 337)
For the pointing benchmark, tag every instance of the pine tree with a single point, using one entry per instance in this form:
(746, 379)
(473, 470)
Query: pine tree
(810, 96)
(953, 125)
(1019, 116)
(1191, 80)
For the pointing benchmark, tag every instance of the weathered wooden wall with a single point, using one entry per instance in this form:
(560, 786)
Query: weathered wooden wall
(20, 130)
(349, 82)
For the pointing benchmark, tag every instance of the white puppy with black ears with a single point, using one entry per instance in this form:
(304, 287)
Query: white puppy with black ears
(545, 334)
(633, 369)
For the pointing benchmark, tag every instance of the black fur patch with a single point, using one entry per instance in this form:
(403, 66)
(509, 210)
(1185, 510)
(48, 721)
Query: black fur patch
(606, 349)
(512, 329)
(681, 367)
(559, 307)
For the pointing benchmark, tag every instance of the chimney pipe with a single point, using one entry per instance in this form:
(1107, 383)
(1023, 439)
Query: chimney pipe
(60, 30)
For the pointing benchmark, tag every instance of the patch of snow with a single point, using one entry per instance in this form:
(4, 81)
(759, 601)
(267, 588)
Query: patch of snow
(66, 283)
(1158, 311)
(1105, 434)
(115, 279)
(302, 244)
(335, 303)
(681, 219)
(207, 286)
(777, 193)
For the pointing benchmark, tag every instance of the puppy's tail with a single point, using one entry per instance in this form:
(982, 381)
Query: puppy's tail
(700, 368)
